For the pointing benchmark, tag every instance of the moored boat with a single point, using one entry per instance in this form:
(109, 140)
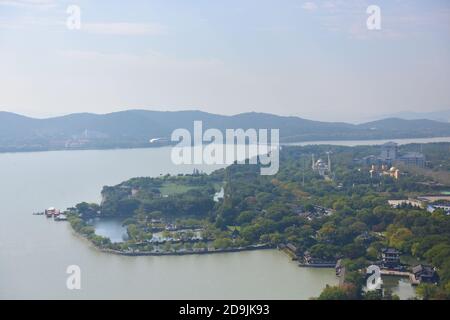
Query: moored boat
(50, 212)
(60, 217)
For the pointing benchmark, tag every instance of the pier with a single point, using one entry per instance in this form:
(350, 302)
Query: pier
(403, 274)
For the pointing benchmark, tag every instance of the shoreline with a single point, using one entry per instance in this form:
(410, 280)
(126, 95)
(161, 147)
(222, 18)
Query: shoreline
(331, 141)
(185, 253)
(179, 253)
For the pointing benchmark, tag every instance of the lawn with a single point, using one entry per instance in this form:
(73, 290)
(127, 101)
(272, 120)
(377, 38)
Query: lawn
(174, 188)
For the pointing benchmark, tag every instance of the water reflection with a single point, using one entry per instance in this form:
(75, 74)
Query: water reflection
(399, 286)
(110, 227)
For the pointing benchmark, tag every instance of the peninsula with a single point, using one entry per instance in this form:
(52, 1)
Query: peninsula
(348, 210)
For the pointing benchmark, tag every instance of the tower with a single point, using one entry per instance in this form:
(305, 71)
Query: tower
(303, 173)
(329, 162)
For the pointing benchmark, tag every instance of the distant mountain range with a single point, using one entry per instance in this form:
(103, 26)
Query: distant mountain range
(442, 116)
(135, 128)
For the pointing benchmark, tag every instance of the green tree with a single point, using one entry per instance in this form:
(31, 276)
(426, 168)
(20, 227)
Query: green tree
(427, 291)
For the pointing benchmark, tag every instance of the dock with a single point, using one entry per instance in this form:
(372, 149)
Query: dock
(403, 274)
(290, 250)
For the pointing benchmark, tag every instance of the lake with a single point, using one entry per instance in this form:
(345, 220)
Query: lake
(353, 143)
(35, 251)
(110, 227)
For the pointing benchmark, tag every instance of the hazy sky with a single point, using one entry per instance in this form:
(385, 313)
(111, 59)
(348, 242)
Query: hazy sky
(314, 59)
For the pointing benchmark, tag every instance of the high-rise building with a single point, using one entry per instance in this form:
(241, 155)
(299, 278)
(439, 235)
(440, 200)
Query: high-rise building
(389, 152)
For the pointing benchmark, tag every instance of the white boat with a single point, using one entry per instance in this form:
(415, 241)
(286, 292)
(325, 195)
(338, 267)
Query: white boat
(50, 212)
(60, 217)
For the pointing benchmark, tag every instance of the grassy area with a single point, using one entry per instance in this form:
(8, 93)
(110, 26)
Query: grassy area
(174, 188)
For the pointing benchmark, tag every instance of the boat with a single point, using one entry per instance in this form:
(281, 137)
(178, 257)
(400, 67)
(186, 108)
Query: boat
(60, 217)
(50, 212)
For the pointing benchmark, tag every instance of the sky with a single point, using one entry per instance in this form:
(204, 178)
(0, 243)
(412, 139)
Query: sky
(313, 59)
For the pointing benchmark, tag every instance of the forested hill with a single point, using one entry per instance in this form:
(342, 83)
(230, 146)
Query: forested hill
(134, 128)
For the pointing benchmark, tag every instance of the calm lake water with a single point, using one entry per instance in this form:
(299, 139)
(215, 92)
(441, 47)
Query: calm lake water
(399, 286)
(35, 251)
(352, 143)
(111, 228)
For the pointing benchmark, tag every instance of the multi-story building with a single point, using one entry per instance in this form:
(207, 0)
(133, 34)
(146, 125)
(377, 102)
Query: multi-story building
(389, 155)
(416, 159)
(389, 152)
(390, 258)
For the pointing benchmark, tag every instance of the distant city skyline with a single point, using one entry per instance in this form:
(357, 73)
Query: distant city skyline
(311, 59)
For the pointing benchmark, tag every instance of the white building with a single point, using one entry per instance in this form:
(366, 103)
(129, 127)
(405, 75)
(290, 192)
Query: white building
(321, 167)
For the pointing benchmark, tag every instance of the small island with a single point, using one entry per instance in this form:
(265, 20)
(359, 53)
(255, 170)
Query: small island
(328, 206)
